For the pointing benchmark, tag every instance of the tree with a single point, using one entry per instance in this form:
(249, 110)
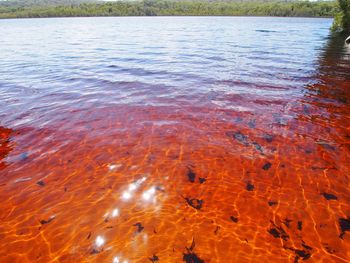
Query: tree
(342, 19)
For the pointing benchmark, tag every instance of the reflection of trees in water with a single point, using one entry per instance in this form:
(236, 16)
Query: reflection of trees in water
(5, 145)
(335, 57)
(325, 106)
(334, 70)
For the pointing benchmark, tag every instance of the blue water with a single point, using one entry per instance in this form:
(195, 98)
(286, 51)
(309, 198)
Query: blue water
(87, 62)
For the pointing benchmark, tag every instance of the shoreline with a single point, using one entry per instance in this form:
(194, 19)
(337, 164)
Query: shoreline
(318, 17)
(167, 8)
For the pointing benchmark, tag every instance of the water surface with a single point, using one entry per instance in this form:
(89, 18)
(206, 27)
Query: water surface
(171, 139)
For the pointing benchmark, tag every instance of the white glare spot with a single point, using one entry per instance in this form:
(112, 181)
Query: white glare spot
(135, 185)
(116, 260)
(152, 190)
(145, 237)
(112, 167)
(148, 194)
(23, 180)
(132, 187)
(115, 212)
(126, 195)
(99, 241)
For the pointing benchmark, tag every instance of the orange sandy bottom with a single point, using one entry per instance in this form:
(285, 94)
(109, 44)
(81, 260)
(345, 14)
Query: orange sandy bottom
(196, 184)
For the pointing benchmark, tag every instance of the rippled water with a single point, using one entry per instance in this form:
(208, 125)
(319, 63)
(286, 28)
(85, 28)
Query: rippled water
(170, 139)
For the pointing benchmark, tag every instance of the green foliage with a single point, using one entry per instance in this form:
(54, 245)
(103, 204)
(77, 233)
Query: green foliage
(342, 19)
(17, 3)
(169, 8)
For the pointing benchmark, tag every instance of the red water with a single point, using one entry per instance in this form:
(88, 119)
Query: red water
(193, 183)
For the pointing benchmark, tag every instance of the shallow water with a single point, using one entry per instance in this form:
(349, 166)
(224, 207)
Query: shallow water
(216, 139)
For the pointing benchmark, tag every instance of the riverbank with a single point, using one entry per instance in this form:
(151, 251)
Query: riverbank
(172, 8)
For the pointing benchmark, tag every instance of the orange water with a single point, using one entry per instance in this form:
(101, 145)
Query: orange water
(194, 183)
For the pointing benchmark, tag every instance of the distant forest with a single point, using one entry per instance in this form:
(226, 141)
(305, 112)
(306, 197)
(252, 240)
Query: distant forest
(76, 8)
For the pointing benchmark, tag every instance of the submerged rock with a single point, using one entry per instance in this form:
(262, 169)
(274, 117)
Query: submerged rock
(202, 180)
(190, 256)
(240, 137)
(278, 232)
(252, 124)
(250, 187)
(139, 227)
(191, 175)
(302, 254)
(23, 156)
(44, 222)
(258, 147)
(155, 258)
(268, 137)
(40, 183)
(267, 166)
(234, 219)
(344, 224)
(329, 196)
(194, 202)
(272, 203)
(300, 225)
